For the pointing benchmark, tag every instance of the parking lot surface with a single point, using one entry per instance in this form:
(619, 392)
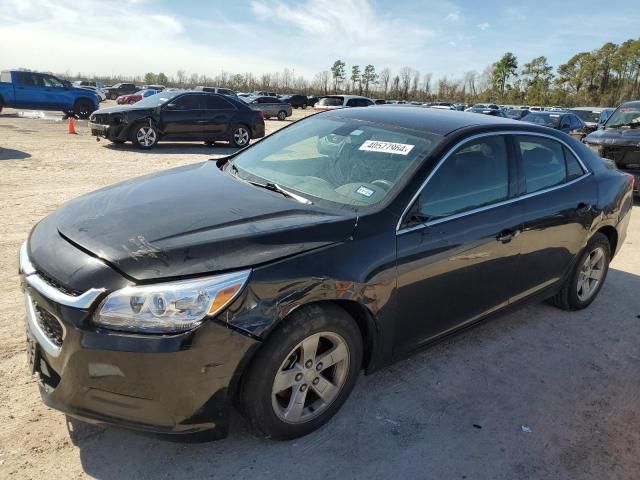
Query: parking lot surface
(536, 393)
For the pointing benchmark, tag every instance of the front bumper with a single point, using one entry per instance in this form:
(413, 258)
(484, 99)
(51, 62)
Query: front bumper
(179, 383)
(110, 132)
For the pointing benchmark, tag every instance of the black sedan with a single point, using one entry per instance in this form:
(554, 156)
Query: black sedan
(269, 279)
(566, 122)
(179, 116)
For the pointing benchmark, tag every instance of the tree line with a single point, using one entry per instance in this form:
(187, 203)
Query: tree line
(605, 76)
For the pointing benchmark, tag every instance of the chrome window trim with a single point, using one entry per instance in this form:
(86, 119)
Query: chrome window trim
(84, 301)
(585, 170)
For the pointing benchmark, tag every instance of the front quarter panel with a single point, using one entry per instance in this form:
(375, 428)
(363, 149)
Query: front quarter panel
(359, 270)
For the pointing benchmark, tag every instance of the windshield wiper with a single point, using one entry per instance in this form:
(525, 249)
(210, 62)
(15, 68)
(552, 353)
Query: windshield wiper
(274, 187)
(620, 125)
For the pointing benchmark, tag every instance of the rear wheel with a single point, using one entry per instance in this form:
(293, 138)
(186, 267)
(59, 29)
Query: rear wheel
(303, 373)
(83, 108)
(113, 96)
(240, 136)
(304, 106)
(587, 277)
(1, 105)
(282, 115)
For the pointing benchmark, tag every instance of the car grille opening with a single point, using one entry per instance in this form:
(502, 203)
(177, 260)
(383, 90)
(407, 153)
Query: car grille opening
(49, 325)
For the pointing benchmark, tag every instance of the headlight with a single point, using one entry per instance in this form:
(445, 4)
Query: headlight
(171, 306)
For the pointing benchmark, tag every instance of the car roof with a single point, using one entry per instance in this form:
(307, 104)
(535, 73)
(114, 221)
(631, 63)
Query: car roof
(439, 121)
(344, 96)
(634, 103)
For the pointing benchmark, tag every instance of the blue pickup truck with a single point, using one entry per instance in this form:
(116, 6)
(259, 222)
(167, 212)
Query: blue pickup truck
(42, 91)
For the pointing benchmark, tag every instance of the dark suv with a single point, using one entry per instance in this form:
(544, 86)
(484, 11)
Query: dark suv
(179, 116)
(296, 101)
(118, 89)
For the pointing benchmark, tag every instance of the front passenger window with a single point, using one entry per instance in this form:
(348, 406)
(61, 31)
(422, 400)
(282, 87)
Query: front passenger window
(475, 175)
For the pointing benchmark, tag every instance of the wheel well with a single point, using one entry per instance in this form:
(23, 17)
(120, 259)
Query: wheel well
(612, 234)
(364, 319)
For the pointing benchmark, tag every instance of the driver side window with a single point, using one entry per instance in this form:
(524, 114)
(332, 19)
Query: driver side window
(475, 175)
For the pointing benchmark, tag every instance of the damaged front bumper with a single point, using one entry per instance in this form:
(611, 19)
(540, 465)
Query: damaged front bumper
(110, 132)
(170, 384)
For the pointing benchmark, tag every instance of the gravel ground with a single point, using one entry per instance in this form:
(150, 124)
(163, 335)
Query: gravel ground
(538, 393)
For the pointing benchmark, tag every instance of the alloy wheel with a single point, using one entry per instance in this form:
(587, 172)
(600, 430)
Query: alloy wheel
(146, 136)
(282, 116)
(590, 274)
(241, 136)
(310, 378)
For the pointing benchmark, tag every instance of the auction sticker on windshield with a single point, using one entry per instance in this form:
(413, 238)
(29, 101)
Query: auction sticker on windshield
(386, 147)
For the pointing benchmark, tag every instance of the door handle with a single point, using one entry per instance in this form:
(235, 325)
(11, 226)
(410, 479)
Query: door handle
(506, 236)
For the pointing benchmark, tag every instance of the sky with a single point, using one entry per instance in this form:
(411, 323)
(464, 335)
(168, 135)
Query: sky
(132, 37)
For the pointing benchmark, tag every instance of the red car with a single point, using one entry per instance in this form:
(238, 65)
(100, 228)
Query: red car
(135, 97)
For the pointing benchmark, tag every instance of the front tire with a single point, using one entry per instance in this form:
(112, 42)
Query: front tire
(282, 115)
(240, 136)
(145, 136)
(304, 106)
(303, 373)
(587, 276)
(113, 96)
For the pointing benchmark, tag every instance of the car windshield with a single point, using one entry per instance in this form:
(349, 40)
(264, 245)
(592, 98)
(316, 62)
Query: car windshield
(588, 115)
(345, 161)
(330, 101)
(624, 116)
(546, 119)
(157, 99)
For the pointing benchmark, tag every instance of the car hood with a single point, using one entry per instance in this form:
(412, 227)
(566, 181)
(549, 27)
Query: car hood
(624, 137)
(193, 220)
(120, 108)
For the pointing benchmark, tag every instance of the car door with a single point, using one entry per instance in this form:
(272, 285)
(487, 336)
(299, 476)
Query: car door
(58, 95)
(184, 117)
(558, 195)
(217, 117)
(458, 262)
(30, 91)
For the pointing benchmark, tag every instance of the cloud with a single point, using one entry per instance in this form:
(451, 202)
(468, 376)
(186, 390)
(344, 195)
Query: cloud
(483, 26)
(453, 16)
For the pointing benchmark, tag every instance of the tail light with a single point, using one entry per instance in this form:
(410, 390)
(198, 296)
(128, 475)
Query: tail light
(630, 179)
(261, 114)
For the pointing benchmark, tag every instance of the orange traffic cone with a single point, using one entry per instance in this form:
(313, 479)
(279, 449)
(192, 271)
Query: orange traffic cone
(72, 126)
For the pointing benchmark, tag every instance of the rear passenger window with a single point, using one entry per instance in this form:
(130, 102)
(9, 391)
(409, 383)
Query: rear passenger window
(475, 175)
(215, 102)
(574, 169)
(543, 163)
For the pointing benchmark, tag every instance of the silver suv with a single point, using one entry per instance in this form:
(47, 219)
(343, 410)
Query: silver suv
(270, 107)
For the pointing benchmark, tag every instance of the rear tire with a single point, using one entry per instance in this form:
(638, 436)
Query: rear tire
(83, 108)
(113, 96)
(587, 276)
(291, 388)
(1, 105)
(304, 106)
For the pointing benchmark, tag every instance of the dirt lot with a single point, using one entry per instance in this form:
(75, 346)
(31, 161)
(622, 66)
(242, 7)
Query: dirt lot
(538, 393)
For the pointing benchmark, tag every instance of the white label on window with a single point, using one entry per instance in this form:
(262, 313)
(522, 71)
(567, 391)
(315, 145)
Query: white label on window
(386, 147)
(367, 192)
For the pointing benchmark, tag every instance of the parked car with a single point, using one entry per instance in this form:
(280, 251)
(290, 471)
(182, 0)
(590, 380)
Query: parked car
(619, 140)
(296, 101)
(332, 102)
(516, 113)
(222, 91)
(88, 83)
(264, 94)
(179, 116)
(380, 101)
(604, 116)
(495, 112)
(271, 278)
(42, 91)
(486, 106)
(135, 97)
(270, 107)
(568, 123)
(99, 93)
(118, 89)
(589, 115)
(157, 88)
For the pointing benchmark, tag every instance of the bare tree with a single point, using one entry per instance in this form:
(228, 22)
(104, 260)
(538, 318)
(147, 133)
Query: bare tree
(405, 81)
(181, 76)
(385, 77)
(426, 85)
(414, 84)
